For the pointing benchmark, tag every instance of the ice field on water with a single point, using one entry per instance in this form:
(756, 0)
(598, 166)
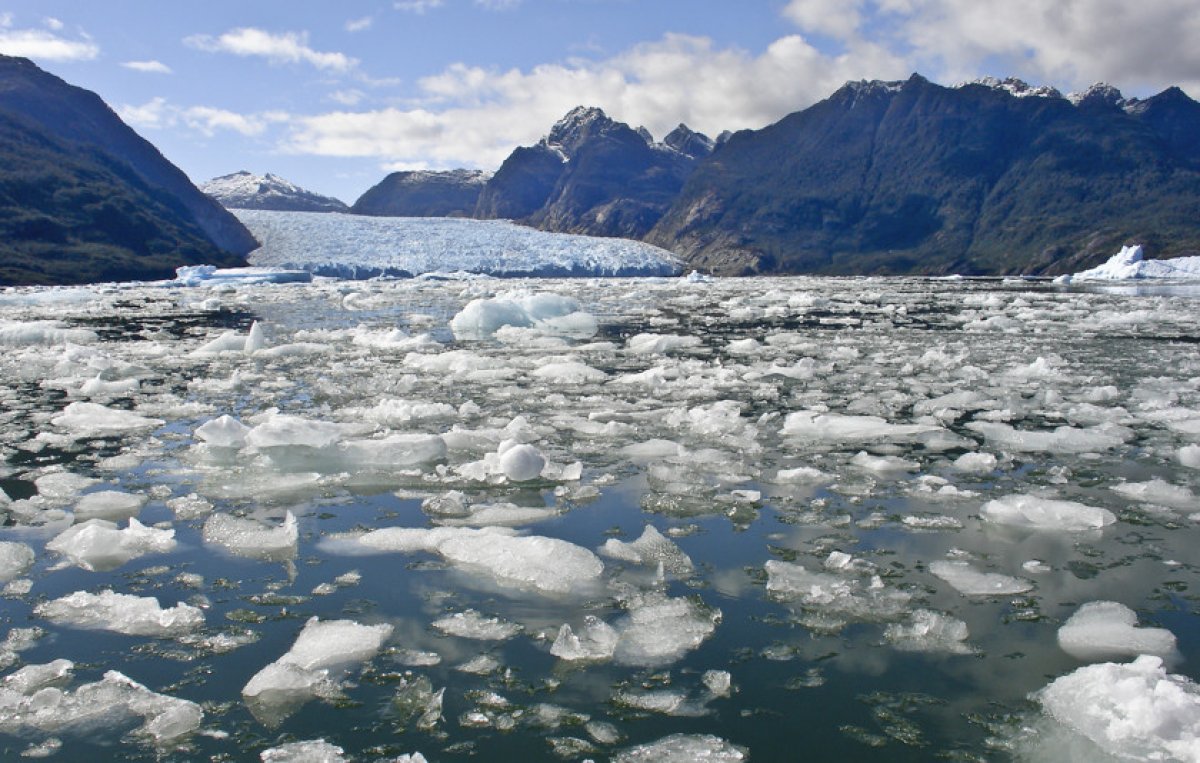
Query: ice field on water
(626, 519)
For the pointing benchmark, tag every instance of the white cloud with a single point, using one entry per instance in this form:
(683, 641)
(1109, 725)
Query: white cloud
(835, 18)
(40, 44)
(52, 24)
(498, 5)
(283, 47)
(347, 97)
(6, 20)
(417, 6)
(359, 25)
(150, 67)
(158, 114)
(472, 116)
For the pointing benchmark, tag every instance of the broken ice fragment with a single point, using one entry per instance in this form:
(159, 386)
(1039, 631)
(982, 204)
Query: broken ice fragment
(1107, 629)
(98, 545)
(971, 582)
(470, 624)
(249, 538)
(121, 613)
(1040, 513)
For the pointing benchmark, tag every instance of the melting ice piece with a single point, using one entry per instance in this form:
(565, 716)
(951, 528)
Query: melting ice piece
(658, 630)
(1158, 491)
(519, 462)
(283, 431)
(109, 504)
(1064, 439)
(470, 624)
(307, 751)
(249, 538)
(1130, 264)
(652, 549)
(836, 596)
(1107, 629)
(122, 613)
(306, 670)
(95, 419)
(660, 344)
(98, 545)
(62, 486)
(35, 333)
(930, 631)
(883, 465)
(568, 372)
(550, 312)
(684, 748)
(394, 452)
(223, 432)
(597, 640)
(1189, 456)
(1133, 711)
(971, 582)
(836, 427)
(15, 559)
(1045, 513)
(100, 705)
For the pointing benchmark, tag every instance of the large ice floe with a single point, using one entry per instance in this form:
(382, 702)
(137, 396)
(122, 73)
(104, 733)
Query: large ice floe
(1131, 264)
(606, 519)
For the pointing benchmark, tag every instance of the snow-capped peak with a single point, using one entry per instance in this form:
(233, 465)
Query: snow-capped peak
(1101, 92)
(1016, 87)
(245, 190)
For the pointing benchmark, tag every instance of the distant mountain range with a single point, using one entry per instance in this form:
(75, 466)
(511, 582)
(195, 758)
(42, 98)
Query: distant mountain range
(244, 190)
(990, 177)
(84, 198)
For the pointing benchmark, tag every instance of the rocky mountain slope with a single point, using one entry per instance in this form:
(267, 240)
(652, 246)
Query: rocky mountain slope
(84, 198)
(423, 193)
(245, 190)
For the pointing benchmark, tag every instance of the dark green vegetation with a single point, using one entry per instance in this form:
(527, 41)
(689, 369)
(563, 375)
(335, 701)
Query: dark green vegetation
(83, 198)
(913, 177)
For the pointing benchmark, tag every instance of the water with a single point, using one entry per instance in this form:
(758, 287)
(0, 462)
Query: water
(811, 678)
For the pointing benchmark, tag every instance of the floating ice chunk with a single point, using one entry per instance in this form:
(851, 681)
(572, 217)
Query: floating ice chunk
(1130, 264)
(520, 462)
(1101, 630)
(394, 452)
(100, 705)
(883, 465)
(62, 486)
(1189, 456)
(483, 317)
(98, 545)
(95, 419)
(651, 450)
(665, 701)
(568, 372)
(650, 548)
(1133, 711)
(223, 432)
(121, 613)
(470, 624)
(1039, 370)
(971, 582)
(660, 344)
(1064, 439)
(502, 514)
(548, 565)
(840, 428)
(1158, 491)
(255, 339)
(249, 538)
(596, 640)
(684, 748)
(718, 682)
(210, 275)
(803, 475)
(15, 559)
(1039, 513)
(31, 678)
(658, 630)
(307, 669)
(99, 387)
(402, 413)
(42, 333)
(308, 751)
(975, 463)
(109, 504)
(930, 631)
(283, 431)
(835, 596)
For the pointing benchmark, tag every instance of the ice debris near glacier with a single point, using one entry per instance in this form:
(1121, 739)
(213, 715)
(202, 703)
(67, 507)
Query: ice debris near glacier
(1130, 264)
(348, 246)
(1108, 629)
(121, 613)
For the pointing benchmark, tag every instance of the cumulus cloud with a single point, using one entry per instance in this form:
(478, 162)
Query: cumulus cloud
(158, 113)
(44, 45)
(474, 116)
(282, 47)
(150, 67)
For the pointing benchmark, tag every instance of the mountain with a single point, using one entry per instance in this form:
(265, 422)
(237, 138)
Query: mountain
(451, 193)
(244, 190)
(593, 175)
(911, 177)
(84, 198)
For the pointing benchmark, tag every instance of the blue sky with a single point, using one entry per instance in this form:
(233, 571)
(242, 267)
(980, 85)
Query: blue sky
(334, 95)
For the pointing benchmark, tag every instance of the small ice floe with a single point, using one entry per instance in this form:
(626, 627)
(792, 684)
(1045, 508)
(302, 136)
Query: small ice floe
(470, 624)
(1189, 456)
(658, 630)
(975, 463)
(43, 334)
(651, 548)
(595, 640)
(850, 594)
(1038, 513)
(816, 426)
(684, 748)
(223, 432)
(515, 461)
(121, 613)
(41, 706)
(568, 372)
(551, 313)
(972, 582)
(251, 538)
(1104, 630)
(99, 545)
(1158, 491)
(211, 275)
(92, 419)
(307, 751)
(1131, 711)
(62, 487)
(930, 631)
(1130, 264)
(884, 466)
(312, 666)
(15, 559)
(660, 344)
(532, 562)
(109, 504)
(1063, 439)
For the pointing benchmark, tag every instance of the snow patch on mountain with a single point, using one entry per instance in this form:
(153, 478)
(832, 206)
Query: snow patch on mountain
(245, 190)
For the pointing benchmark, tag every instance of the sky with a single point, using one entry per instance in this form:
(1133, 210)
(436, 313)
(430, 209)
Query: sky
(333, 96)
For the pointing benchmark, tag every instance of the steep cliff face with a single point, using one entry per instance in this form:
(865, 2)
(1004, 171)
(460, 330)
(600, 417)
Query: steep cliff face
(912, 177)
(452, 193)
(77, 115)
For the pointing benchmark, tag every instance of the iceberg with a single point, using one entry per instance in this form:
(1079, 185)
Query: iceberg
(1130, 264)
(211, 275)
